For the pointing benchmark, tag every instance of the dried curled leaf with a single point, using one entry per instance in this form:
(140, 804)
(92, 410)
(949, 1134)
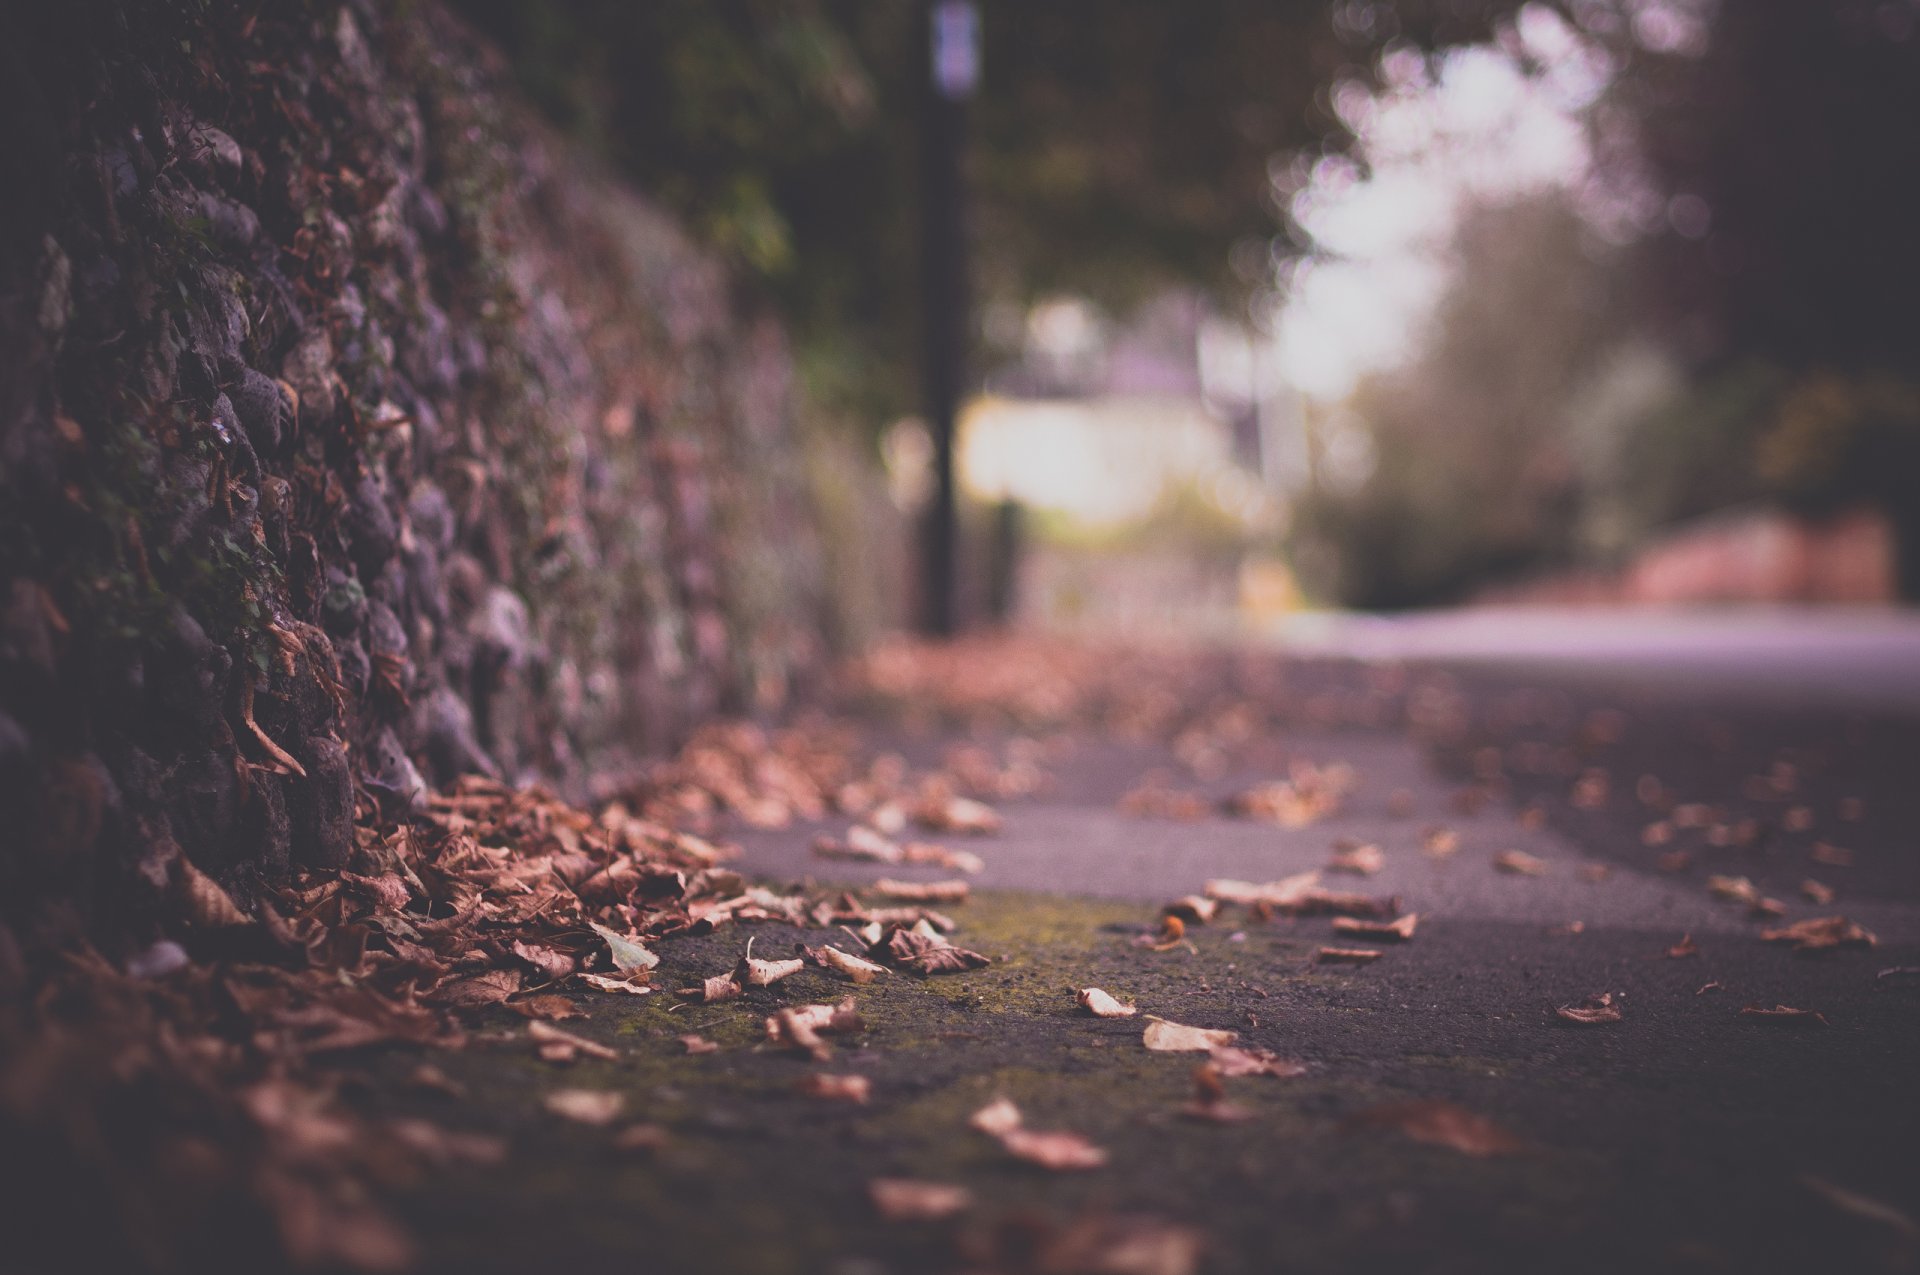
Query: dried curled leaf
(621, 986)
(756, 973)
(1733, 889)
(857, 968)
(588, 1106)
(1783, 1016)
(1441, 1124)
(1398, 930)
(201, 898)
(694, 1043)
(909, 1200)
(1592, 1012)
(941, 857)
(1346, 955)
(1232, 1060)
(1280, 895)
(957, 814)
(1101, 1005)
(1519, 863)
(997, 1117)
(954, 891)
(1209, 1100)
(1057, 1150)
(1821, 934)
(720, 987)
(1816, 893)
(1194, 909)
(854, 1089)
(1360, 860)
(926, 953)
(628, 956)
(547, 1034)
(1178, 1038)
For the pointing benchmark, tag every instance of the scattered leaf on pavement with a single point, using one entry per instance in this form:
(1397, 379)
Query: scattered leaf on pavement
(910, 1200)
(1101, 1005)
(1178, 1038)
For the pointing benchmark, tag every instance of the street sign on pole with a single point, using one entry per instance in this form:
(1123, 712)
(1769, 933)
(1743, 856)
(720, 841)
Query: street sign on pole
(952, 72)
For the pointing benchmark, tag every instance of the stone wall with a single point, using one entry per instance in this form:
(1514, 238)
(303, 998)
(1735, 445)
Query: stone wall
(353, 435)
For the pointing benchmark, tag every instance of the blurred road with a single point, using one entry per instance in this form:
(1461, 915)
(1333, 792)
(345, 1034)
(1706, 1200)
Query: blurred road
(1835, 657)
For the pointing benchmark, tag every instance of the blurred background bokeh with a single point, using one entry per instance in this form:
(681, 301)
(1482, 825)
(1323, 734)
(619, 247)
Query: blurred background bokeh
(1277, 307)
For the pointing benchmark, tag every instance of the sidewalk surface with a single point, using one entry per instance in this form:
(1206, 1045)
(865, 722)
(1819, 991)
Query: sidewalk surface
(1671, 801)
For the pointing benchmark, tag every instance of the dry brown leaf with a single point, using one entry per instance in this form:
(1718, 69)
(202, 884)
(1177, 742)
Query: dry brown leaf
(909, 1200)
(1442, 1124)
(1398, 930)
(1519, 863)
(1359, 860)
(1178, 1038)
(1193, 909)
(548, 1034)
(641, 1137)
(1783, 1015)
(1684, 948)
(1592, 1012)
(756, 973)
(954, 891)
(200, 897)
(550, 1007)
(720, 987)
(489, 988)
(996, 1118)
(1232, 1060)
(1057, 1150)
(1715, 986)
(550, 964)
(694, 1043)
(1831, 855)
(1814, 892)
(926, 953)
(957, 814)
(1209, 1100)
(1346, 955)
(1733, 889)
(1821, 934)
(857, 968)
(1439, 843)
(941, 857)
(1101, 1005)
(854, 1089)
(1280, 895)
(444, 1146)
(621, 986)
(796, 1032)
(588, 1106)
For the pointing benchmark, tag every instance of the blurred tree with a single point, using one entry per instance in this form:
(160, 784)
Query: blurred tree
(1118, 146)
(1459, 466)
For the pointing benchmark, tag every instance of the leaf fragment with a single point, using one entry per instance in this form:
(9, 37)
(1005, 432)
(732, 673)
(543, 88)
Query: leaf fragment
(1398, 930)
(1101, 1005)
(619, 986)
(1346, 955)
(627, 955)
(1179, 1038)
(954, 891)
(1361, 859)
(854, 1089)
(1441, 1124)
(751, 972)
(857, 968)
(1821, 934)
(1519, 863)
(546, 1034)
(1592, 1012)
(1783, 1016)
(587, 1106)
(911, 1200)
(1234, 1060)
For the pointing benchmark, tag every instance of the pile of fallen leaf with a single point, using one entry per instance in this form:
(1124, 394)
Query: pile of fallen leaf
(188, 1091)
